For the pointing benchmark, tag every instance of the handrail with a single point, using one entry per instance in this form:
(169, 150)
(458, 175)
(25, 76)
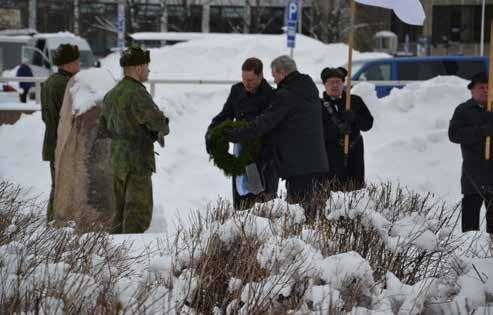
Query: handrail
(153, 82)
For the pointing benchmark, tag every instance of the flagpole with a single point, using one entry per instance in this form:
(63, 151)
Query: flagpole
(349, 72)
(487, 152)
(481, 45)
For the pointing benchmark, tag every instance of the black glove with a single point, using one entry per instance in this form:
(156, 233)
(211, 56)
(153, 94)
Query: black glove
(486, 130)
(232, 135)
(348, 116)
(208, 142)
(344, 128)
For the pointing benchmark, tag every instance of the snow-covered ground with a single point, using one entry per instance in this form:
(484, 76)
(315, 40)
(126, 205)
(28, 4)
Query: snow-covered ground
(407, 145)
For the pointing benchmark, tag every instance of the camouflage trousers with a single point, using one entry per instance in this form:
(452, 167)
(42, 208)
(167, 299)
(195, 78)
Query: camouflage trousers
(133, 201)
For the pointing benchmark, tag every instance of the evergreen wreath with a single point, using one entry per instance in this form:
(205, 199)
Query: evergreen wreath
(228, 163)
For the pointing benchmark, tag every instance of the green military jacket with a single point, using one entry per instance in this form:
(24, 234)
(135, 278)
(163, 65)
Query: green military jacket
(51, 103)
(133, 120)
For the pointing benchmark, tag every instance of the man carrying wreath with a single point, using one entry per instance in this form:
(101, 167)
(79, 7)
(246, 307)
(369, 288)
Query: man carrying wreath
(247, 100)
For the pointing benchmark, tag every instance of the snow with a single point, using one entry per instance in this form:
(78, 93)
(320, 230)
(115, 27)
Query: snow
(408, 144)
(89, 87)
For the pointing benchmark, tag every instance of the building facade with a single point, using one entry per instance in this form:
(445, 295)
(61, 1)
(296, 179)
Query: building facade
(451, 26)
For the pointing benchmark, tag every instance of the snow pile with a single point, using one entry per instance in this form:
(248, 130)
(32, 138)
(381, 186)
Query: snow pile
(369, 256)
(89, 87)
(219, 56)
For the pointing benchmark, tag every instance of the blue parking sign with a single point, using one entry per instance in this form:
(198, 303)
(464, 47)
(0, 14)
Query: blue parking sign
(292, 7)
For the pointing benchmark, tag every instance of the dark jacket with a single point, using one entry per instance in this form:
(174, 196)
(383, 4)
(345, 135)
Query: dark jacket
(243, 105)
(52, 95)
(292, 124)
(352, 173)
(477, 173)
(24, 71)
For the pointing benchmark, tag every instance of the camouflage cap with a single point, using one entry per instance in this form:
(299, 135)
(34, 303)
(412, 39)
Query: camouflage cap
(134, 56)
(65, 53)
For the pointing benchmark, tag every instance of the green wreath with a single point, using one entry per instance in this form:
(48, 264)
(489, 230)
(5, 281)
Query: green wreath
(228, 163)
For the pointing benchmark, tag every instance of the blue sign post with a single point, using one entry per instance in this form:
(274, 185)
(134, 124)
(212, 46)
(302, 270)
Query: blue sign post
(121, 27)
(292, 8)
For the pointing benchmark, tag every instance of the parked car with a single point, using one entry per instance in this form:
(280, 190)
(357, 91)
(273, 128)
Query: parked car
(41, 47)
(416, 69)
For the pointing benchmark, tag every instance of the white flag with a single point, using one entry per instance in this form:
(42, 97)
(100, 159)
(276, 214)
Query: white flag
(409, 11)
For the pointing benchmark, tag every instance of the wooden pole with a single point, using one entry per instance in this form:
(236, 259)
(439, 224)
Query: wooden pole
(487, 153)
(349, 73)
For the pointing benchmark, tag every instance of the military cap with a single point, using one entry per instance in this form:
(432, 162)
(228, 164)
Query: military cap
(134, 56)
(65, 53)
(480, 77)
(328, 73)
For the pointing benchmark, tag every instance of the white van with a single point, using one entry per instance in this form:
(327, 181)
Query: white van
(38, 53)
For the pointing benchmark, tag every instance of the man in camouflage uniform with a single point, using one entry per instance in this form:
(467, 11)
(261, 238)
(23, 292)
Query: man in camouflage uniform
(67, 58)
(134, 122)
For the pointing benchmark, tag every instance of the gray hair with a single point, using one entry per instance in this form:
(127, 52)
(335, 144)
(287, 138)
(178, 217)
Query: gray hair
(285, 63)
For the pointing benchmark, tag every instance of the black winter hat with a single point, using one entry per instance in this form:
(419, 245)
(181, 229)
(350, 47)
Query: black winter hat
(480, 77)
(328, 73)
(134, 56)
(65, 53)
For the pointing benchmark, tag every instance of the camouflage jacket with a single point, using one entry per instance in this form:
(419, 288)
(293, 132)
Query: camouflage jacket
(51, 103)
(133, 121)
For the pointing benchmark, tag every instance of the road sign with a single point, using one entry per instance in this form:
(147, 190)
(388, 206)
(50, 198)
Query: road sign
(121, 27)
(293, 8)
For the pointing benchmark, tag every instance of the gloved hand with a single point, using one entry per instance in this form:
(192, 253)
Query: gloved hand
(232, 135)
(348, 116)
(208, 142)
(486, 130)
(160, 139)
(344, 128)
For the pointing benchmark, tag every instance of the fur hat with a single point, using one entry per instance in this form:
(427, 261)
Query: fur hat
(328, 73)
(65, 53)
(135, 56)
(480, 77)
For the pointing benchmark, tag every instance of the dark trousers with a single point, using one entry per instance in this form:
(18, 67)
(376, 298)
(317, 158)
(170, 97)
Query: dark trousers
(23, 96)
(50, 215)
(471, 208)
(311, 191)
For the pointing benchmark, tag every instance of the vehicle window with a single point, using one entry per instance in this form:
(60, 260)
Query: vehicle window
(37, 56)
(466, 69)
(377, 72)
(416, 71)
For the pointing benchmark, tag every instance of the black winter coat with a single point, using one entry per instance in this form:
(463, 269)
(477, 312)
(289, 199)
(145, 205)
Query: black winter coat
(477, 173)
(292, 124)
(352, 174)
(243, 105)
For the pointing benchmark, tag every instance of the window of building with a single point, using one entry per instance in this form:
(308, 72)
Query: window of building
(227, 19)
(267, 20)
(459, 23)
(182, 18)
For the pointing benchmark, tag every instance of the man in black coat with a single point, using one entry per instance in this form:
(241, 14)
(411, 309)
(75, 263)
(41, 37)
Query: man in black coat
(346, 172)
(292, 124)
(246, 100)
(469, 127)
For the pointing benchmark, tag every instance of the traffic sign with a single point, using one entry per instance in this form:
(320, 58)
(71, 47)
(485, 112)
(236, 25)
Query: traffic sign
(293, 8)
